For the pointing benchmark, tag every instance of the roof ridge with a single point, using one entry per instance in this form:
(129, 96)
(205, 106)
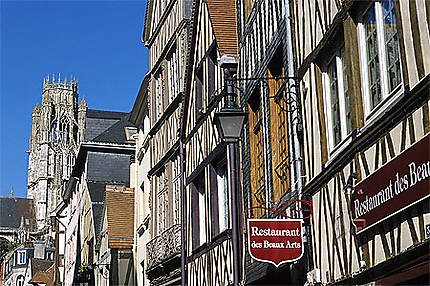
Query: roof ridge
(103, 110)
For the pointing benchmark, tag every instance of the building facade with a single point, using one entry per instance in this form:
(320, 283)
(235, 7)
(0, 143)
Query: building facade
(140, 181)
(165, 34)
(103, 158)
(114, 249)
(271, 151)
(57, 129)
(363, 68)
(207, 194)
(20, 265)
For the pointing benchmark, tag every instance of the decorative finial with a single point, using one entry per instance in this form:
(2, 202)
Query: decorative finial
(11, 191)
(59, 78)
(53, 78)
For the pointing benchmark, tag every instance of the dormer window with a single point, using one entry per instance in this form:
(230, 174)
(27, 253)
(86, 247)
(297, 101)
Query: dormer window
(22, 259)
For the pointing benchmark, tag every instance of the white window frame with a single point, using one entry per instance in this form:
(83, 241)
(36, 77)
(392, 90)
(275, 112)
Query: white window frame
(388, 98)
(223, 202)
(19, 261)
(327, 102)
(202, 217)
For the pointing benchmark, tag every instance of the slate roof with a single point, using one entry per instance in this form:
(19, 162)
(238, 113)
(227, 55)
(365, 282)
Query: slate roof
(108, 168)
(115, 133)
(120, 216)
(97, 215)
(98, 121)
(12, 209)
(105, 114)
(97, 191)
(97, 195)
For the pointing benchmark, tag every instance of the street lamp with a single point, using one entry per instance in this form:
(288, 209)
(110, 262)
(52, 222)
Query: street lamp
(229, 122)
(230, 119)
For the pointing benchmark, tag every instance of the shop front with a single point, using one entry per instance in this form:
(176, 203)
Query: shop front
(370, 218)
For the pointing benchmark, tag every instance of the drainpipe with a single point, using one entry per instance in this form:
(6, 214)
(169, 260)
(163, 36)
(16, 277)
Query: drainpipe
(295, 115)
(296, 124)
(183, 220)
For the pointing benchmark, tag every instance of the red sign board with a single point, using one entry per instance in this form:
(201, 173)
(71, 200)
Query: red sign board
(395, 186)
(275, 240)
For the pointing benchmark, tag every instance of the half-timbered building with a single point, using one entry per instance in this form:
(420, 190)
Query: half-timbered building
(165, 34)
(207, 192)
(271, 160)
(363, 68)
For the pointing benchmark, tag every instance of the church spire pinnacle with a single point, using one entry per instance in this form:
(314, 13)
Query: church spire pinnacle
(11, 190)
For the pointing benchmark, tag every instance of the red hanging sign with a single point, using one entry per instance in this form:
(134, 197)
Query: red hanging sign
(275, 240)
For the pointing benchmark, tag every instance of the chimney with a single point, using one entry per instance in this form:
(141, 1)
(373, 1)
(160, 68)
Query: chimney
(39, 249)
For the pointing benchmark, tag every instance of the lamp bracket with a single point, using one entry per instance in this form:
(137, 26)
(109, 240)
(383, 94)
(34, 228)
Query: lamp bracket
(287, 96)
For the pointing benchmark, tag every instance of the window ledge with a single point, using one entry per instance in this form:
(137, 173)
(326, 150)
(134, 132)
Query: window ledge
(342, 146)
(384, 106)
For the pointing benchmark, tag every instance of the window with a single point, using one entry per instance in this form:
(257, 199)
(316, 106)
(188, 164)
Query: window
(278, 129)
(162, 204)
(380, 53)
(176, 188)
(172, 74)
(64, 129)
(258, 195)
(336, 96)
(21, 257)
(219, 197)
(20, 281)
(198, 212)
(142, 199)
(159, 93)
(54, 131)
(50, 255)
(212, 59)
(198, 82)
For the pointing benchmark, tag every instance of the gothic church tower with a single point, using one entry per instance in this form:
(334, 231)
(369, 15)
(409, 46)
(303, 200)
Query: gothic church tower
(57, 129)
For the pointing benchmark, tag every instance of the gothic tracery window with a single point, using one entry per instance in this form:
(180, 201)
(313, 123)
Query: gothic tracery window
(54, 131)
(64, 130)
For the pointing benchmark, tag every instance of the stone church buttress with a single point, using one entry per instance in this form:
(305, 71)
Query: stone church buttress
(58, 127)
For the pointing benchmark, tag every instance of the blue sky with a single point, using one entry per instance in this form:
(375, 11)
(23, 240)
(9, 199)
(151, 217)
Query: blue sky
(98, 42)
